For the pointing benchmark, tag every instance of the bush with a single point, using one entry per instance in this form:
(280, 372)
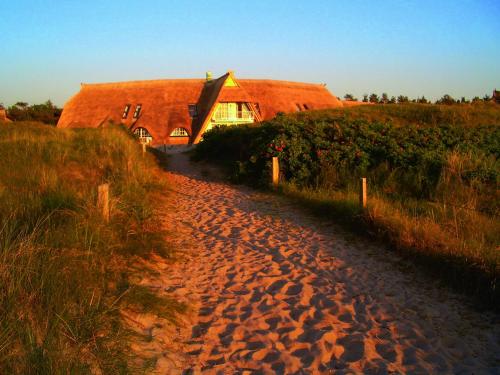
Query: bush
(436, 180)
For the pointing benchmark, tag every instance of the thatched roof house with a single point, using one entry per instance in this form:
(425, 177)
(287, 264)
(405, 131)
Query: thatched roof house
(495, 98)
(179, 111)
(3, 115)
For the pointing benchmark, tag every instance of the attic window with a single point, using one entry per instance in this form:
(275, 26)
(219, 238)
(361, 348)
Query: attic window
(305, 107)
(179, 132)
(143, 134)
(299, 108)
(137, 110)
(193, 110)
(126, 110)
(257, 107)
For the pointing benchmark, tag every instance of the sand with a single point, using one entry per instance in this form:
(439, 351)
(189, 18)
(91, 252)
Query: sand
(275, 291)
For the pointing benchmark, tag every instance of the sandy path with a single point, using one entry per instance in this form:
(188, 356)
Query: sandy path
(276, 291)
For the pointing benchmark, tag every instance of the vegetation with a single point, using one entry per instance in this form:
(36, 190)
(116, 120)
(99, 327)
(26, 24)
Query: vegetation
(65, 275)
(433, 175)
(403, 99)
(47, 112)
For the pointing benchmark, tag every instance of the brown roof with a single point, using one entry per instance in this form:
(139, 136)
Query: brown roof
(165, 102)
(3, 115)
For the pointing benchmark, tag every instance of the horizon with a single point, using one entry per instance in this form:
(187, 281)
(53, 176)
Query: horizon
(401, 48)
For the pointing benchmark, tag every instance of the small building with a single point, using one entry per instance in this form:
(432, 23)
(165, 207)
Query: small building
(495, 98)
(179, 111)
(3, 115)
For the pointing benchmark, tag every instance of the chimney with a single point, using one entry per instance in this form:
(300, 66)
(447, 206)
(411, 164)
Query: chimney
(209, 76)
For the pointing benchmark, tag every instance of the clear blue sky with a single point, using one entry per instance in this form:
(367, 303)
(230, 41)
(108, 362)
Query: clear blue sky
(412, 48)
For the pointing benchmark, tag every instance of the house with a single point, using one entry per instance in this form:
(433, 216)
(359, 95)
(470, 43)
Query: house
(179, 111)
(495, 98)
(3, 115)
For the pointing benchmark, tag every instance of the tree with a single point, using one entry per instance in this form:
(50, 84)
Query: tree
(392, 100)
(402, 99)
(385, 98)
(422, 100)
(47, 112)
(486, 98)
(374, 98)
(446, 99)
(365, 98)
(21, 105)
(350, 97)
(476, 99)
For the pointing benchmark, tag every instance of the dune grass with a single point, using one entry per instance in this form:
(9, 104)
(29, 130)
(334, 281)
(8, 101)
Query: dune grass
(65, 275)
(414, 114)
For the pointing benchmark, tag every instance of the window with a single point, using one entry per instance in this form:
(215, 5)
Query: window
(193, 110)
(257, 107)
(126, 110)
(305, 107)
(179, 132)
(137, 110)
(143, 135)
(299, 108)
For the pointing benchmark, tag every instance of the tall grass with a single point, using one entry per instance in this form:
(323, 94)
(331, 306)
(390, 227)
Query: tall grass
(471, 114)
(64, 273)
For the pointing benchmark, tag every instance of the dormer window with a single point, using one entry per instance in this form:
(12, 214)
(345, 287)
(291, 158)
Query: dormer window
(193, 110)
(137, 110)
(305, 107)
(179, 132)
(126, 110)
(299, 108)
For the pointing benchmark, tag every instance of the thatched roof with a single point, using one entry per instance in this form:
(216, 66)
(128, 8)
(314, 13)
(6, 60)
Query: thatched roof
(164, 103)
(3, 115)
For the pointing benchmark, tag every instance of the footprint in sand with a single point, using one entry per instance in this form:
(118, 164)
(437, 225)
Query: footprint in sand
(278, 293)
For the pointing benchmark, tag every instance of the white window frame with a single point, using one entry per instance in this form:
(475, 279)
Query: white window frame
(137, 111)
(126, 111)
(143, 134)
(179, 132)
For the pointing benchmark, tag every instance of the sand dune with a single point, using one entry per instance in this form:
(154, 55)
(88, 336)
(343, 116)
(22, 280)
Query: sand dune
(276, 291)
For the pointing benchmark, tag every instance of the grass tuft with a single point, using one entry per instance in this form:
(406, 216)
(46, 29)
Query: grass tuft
(60, 264)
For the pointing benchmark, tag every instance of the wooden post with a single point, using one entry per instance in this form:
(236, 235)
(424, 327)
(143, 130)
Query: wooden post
(276, 171)
(143, 148)
(362, 193)
(103, 201)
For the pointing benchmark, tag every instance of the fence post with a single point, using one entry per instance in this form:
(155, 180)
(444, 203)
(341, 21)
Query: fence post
(103, 201)
(276, 172)
(362, 193)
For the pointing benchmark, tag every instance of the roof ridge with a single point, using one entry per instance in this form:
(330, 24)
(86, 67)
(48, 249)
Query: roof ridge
(282, 81)
(163, 80)
(194, 80)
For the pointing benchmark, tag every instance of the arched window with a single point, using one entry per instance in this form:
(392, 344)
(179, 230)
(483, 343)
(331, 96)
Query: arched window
(179, 132)
(143, 135)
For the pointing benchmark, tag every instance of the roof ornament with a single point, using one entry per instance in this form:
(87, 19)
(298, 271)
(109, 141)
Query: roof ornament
(209, 76)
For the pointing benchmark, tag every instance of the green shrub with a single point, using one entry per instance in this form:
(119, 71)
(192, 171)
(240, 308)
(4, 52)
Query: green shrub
(438, 181)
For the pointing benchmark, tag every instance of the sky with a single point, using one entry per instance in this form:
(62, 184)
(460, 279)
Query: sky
(413, 48)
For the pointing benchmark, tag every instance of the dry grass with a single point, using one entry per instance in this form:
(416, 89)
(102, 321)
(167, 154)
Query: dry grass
(64, 274)
(415, 114)
(459, 244)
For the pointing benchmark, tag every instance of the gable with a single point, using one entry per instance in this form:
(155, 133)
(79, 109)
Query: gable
(230, 82)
